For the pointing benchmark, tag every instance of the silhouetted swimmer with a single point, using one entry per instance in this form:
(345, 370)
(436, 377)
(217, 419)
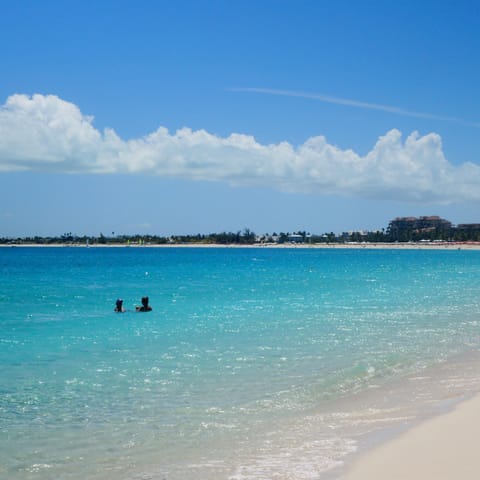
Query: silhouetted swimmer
(119, 306)
(145, 306)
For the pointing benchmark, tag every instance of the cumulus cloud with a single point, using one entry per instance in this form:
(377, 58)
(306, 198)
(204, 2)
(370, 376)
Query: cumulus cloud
(46, 133)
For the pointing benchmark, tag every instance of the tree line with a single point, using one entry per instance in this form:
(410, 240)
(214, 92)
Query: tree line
(248, 237)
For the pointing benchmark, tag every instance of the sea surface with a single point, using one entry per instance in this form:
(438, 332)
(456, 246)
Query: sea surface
(255, 363)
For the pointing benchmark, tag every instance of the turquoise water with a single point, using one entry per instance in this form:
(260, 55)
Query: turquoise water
(254, 363)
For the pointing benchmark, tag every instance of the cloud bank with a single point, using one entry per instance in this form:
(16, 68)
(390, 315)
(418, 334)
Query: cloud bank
(47, 134)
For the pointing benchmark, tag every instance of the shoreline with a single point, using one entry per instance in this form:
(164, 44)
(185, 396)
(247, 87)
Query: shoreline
(422, 443)
(328, 246)
(442, 447)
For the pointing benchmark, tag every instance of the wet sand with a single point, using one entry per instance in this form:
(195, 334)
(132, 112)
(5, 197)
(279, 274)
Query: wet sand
(441, 448)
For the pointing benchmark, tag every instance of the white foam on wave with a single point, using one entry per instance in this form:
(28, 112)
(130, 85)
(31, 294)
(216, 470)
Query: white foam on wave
(305, 462)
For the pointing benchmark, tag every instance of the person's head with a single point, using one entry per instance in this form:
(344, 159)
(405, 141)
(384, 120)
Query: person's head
(145, 301)
(119, 303)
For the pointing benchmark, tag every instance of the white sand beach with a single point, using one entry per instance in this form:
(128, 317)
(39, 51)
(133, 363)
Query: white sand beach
(441, 448)
(376, 246)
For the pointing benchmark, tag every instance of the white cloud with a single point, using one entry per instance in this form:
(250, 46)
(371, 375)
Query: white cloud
(45, 133)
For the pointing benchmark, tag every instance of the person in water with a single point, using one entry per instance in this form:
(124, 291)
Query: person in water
(145, 306)
(119, 306)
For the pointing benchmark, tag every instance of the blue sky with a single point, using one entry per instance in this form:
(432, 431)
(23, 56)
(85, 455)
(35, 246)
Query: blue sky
(165, 117)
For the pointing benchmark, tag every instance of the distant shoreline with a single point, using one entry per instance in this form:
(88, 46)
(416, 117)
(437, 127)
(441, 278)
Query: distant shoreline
(374, 246)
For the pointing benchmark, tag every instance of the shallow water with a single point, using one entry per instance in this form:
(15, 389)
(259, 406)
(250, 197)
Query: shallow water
(254, 363)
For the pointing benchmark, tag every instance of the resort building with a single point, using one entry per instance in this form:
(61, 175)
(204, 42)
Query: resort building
(296, 238)
(403, 229)
(468, 227)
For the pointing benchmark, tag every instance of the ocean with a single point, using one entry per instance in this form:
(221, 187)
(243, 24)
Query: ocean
(255, 363)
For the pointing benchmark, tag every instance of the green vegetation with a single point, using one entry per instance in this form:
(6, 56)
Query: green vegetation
(247, 237)
(424, 229)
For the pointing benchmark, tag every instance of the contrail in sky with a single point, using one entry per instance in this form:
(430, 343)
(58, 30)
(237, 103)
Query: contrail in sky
(353, 103)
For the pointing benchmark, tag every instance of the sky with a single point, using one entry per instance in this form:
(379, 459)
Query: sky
(186, 117)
